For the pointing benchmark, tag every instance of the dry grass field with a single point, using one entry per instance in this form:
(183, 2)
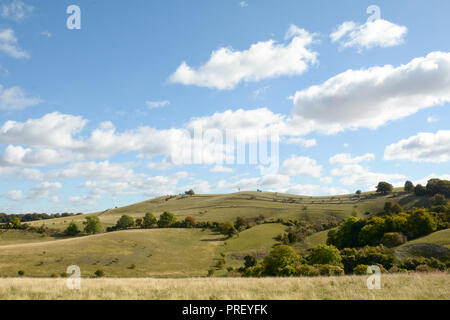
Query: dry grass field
(399, 286)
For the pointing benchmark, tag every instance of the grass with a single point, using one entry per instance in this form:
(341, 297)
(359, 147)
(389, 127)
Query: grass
(436, 244)
(315, 239)
(395, 286)
(19, 236)
(155, 253)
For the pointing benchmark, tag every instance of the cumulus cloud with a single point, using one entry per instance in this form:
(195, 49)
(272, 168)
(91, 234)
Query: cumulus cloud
(306, 143)
(38, 192)
(353, 173)
(314, 190)
(227, 68)
(9, 45)
(221, 169)
(378, 33)
(371, 97)
(15, 98)
(303, 166)
(423, 147)
(16, 10)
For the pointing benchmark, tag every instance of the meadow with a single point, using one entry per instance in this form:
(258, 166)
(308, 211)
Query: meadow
(431, 286)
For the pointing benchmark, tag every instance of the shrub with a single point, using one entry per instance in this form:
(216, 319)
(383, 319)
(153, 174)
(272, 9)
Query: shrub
(149, 221)
(306, 270)
(280, 257)
(329, 270)
(360, 269)
(425, 268)
(288, 271)
(132, 266)
(125, 222)
(324, 254)
(250, 261)
(396, 269)
(21, 273)
(256, 271)
(166, 219)
(211, 272)
(190, 192)
(189, 222)
(439, 200)
(420, 191)
(92, 225)
(393, 239)
(72, 229)
(227, 228)
(99, 273)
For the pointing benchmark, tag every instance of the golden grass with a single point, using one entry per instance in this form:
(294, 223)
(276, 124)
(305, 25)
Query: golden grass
(398, 286)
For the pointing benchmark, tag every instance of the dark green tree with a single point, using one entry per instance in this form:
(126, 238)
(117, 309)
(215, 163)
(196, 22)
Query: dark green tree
(92, 225)
(384, 187)
(166, 219)
(72, 229)
(409, 186)
(125, 222)
(149, 221)
(324, 254)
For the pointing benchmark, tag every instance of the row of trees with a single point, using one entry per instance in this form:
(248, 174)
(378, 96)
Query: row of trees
(27, 217)
(433, 187)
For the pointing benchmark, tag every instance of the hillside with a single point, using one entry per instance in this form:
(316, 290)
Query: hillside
(226, 207)
(435, 245)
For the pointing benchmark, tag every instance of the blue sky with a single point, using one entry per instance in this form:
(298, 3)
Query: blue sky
(92, 118)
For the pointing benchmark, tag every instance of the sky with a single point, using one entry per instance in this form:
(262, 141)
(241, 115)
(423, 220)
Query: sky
(107, 103)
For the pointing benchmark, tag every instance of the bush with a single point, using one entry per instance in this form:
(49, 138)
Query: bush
(360, 269)
(149, 221)
(72, 229)
(425, 268)
(125, 222)
(92, 225)
(99, 273)
(393, 239)
(250, 261)
(420, 191)
(211, 272)
(280, 257)
(396, 269)
(227, 228)
(288, 271)
(409, 186)
(256, 271)
(21, 273)
(166, 219)
(439, 200)
(324, 254)
(306, 270)
(329, 270)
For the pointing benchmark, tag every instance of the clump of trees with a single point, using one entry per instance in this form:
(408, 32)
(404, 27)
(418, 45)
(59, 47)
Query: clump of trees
(72, 230)
(355, 232)
(92, 225)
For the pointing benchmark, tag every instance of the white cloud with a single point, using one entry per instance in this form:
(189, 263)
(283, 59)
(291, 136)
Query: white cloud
(243, 4)
(227, 68)
(378, 33)
(16, 10)
(306, 143)
(92, 170)
(423, 147)
(15, 195)
(15, 98)
(38, 192)
(314, 190)
(371, 97)
(346, 158)
(157, 104)
(432, 119)
(221, 169)
(20, 156)
(353, 173)
(303, 166)
(9, 45)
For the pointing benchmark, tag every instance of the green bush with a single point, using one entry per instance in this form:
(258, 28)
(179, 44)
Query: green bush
(99, 273)
(360, 269)
(250, 261)
(21, 273)
(149, 221)
(72, 229)
(288, 271)
(393, 239)
(306, 270)
(329, 270)
(92, 225)
(396, 269)
(125, 222)
(280, 257)
(256, 271)
(325, 254)
(166, 219)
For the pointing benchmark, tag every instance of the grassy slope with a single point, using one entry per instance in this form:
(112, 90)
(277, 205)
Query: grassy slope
(18, 236)
(158, 252)
(436, 245)
(393, 286)
(227, 207)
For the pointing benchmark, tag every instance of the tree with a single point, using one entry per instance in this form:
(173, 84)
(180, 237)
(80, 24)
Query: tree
(324, 254)
(72, 229)
(166, 219)
(240, 223)
(16, 224)
(125, 222)
(227, 228)
(409, 186)
(92, 225)
(149, 221)
(420, 191)
(393, 239)
(392, 207)
(346, 236)
(439, 200)
(421, 223)
(437, 186)
(139, 222)
(190, 192)
(358, 192)
(279, 258)
(384, 187)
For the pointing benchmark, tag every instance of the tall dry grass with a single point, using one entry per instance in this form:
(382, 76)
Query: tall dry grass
(399, 286)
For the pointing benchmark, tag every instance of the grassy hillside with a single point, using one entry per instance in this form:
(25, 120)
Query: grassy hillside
(227, 207)
(435, 245)
(156, 253)
(393, 286)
